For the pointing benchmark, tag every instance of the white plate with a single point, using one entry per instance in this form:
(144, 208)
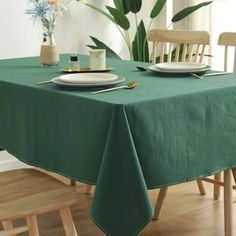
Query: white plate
(181, 66)
(58, 81)
(178, 72)
(88, 78)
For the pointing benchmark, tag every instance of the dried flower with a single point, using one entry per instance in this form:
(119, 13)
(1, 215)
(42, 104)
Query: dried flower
(46, 12)
(59, 7)
(38, 10)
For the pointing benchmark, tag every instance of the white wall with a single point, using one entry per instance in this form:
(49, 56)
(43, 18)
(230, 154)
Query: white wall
(20, 38)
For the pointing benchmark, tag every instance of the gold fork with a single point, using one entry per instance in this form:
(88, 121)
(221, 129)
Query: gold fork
(130, 85)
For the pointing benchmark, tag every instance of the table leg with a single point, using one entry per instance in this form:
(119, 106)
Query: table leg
(228, 203)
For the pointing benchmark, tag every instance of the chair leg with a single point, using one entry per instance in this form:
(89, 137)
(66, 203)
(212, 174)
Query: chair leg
(201, 187)
(217, 177)
(159, 203)
(228, 203)
(33, 225)
(88, 189)
(72, 182)
(68, 222)
(7, 225)
(234, 174)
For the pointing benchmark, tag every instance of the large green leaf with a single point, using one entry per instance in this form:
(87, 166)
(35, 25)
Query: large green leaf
(101, 45)
(140, 46)
(189, 10)
(101, 11)
(121, 6)
(157, 8)
(119, 18)
(134, 5)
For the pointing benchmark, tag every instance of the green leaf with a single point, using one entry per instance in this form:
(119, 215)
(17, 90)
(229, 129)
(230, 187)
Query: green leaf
(119, 18)
(140, 46)
(46, 23)
(134, 5)
(157, 8)
(189, 10)
(121, 6)
(101, 11)
(101, 45)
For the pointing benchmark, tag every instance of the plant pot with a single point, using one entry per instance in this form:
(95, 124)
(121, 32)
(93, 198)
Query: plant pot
(49, 55)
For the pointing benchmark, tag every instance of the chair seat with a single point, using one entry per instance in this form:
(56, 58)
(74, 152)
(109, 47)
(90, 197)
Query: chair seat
(30, 192)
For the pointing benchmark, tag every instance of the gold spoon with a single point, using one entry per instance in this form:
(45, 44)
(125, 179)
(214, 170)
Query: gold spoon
(130, 85)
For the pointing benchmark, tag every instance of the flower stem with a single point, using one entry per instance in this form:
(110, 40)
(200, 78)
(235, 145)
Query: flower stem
(138, 39)
(126, 39)
(145, 40)
(129, 45)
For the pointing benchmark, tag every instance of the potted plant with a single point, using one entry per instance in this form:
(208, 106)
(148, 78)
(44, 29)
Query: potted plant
(138, 46)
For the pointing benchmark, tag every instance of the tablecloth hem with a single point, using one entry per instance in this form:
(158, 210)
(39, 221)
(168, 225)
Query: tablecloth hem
(135, 233)
(189, 179)
(93, 183)
(48, 169)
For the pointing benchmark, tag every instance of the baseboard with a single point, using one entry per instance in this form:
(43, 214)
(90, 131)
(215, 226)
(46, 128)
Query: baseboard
(12, 164)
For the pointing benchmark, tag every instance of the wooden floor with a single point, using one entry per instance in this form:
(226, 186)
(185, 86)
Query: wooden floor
(185, 213)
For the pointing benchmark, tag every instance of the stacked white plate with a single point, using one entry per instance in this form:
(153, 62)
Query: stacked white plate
(87, 80)
(180, 67)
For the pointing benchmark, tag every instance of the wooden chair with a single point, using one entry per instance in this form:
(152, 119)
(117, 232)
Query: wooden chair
(176, 46)
(88, 188)
(228, 39)
(25, 193)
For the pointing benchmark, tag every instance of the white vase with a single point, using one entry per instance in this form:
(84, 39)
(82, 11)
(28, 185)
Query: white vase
(49, 55)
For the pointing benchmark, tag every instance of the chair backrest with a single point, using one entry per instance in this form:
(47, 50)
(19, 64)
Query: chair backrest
(228, 39)
(179, 45)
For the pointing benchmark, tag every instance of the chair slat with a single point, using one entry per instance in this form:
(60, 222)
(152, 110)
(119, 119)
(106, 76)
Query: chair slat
(162, 52)
(202, 53)
(234, 59)
(190, 52)
(196, 53)
(177, 53)
(154, 52)
(184, 53)
(169, 52)
(226, 58)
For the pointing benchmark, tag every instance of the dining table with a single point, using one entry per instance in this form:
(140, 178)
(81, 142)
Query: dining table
(168, 130)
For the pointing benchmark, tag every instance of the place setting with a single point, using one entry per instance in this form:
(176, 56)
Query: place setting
(92, 76)
(195, 69)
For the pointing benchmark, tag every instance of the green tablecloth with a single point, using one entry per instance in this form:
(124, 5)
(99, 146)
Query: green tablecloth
(166, 131)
